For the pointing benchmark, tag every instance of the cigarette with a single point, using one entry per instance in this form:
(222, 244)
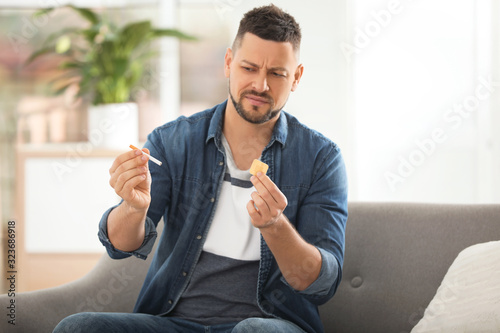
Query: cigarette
(150, 157)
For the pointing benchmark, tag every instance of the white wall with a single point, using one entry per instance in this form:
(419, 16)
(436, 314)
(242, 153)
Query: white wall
(406, 88)
(424, 87)
(494, 124)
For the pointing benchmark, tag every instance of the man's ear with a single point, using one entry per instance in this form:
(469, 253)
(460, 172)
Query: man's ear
(297, 75)
(227, 61)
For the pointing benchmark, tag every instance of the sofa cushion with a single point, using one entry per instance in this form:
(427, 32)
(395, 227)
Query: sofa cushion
(468, 299)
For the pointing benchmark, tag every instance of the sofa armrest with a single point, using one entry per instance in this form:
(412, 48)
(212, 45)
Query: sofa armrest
(111, 286)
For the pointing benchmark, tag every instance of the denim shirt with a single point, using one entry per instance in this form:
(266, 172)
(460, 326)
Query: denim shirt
(306, 166)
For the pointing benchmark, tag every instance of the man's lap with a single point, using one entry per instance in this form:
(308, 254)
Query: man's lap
(139, 322)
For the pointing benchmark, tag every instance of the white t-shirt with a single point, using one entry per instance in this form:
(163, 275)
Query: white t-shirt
(231, 233)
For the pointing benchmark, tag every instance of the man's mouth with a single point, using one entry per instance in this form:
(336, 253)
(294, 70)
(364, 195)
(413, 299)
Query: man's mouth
(256, 100)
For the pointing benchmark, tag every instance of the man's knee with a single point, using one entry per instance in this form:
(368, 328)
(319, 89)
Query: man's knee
(266, 325)
(261, 325)
(76, 323)
(249, 325)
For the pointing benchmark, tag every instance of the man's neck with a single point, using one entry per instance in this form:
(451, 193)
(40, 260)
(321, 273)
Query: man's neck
(246, 140)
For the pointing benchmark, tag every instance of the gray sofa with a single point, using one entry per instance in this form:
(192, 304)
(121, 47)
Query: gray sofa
(396, 256)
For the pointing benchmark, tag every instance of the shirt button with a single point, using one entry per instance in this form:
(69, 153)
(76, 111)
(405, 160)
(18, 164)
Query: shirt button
(221, 163)
(184, 273)
(212, 200)
(170, 301)
(198, 237)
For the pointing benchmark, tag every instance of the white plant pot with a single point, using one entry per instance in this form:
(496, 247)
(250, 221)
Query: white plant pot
(113, 126)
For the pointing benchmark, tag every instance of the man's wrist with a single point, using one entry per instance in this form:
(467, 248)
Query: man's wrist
(275, 227)
(134, 213)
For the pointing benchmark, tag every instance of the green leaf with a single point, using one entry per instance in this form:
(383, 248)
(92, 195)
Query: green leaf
(86, 14)
(38, 53)
(120, 67)
(65, 76)
(133, 35)
(121, 91)
(144, 56)
(136, 69)
(172, 33)
(104, 57)
(68, 31)
(43, 11)
(63, 88)
(63, 44)
(71, 64)
(89, 34)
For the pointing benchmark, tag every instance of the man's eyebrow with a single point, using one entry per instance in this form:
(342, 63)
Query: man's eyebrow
(281, 69)
(250, 63)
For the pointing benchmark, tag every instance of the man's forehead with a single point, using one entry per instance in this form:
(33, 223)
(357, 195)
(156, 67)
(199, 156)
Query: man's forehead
(255, 49)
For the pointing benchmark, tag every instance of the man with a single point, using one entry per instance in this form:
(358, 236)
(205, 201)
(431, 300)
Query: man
(239, 253)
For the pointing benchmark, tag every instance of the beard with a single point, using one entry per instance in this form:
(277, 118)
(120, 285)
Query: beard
(254, 116)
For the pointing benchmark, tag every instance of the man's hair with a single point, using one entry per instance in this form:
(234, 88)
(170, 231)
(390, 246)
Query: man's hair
(269, 23)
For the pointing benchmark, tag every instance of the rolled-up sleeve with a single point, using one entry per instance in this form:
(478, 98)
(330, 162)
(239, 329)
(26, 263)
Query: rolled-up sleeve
(329, 273)
(321, 221)
(142, 252)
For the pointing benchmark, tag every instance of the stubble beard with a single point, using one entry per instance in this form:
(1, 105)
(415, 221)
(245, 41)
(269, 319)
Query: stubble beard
(254, 116)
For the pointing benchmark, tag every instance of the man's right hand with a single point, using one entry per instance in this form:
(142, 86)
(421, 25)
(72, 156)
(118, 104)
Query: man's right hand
(131, 180)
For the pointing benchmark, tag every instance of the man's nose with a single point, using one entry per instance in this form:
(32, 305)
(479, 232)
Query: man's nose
(260, 83)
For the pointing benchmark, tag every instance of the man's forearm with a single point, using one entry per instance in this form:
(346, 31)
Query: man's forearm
(126, 227)
(299, 261)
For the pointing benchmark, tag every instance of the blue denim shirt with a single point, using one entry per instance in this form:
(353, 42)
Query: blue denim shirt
(306, 166)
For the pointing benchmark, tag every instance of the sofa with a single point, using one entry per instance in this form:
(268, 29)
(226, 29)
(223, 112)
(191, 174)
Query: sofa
(395, 259)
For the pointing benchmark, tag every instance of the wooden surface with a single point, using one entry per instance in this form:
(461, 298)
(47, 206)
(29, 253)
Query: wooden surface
(45, 270)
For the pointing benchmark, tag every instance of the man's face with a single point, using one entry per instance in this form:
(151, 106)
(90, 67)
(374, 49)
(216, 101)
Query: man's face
(261, 76)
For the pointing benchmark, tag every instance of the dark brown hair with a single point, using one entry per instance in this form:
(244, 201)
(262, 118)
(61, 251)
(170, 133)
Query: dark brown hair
(269, 23)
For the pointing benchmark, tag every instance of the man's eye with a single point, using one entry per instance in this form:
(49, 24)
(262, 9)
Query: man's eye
(279, 74)
(248, 69)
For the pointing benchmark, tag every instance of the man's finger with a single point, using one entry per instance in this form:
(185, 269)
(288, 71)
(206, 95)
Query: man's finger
(118, 180)
(122, 159)
(268, 190)
(261, 204)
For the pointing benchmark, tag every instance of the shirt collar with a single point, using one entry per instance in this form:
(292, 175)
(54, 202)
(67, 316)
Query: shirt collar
(280, 131)
(215, 128)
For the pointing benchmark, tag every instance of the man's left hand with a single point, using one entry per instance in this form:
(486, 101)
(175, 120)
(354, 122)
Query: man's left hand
(268, 202)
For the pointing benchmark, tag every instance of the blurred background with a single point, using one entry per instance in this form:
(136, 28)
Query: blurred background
(410, 91)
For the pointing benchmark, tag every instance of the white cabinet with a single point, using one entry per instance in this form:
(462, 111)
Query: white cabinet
(62, 192)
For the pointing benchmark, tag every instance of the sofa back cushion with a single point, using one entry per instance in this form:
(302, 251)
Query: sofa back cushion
(395, 259)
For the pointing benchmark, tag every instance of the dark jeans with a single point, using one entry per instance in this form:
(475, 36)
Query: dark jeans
(88, 322)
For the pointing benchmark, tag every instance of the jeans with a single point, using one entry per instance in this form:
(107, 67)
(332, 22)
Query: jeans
(88, 322)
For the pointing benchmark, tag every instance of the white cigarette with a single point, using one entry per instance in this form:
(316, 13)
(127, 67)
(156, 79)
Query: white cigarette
(150, 157)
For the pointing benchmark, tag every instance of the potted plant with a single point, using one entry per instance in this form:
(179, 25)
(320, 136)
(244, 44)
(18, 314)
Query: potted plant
(108, 62)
